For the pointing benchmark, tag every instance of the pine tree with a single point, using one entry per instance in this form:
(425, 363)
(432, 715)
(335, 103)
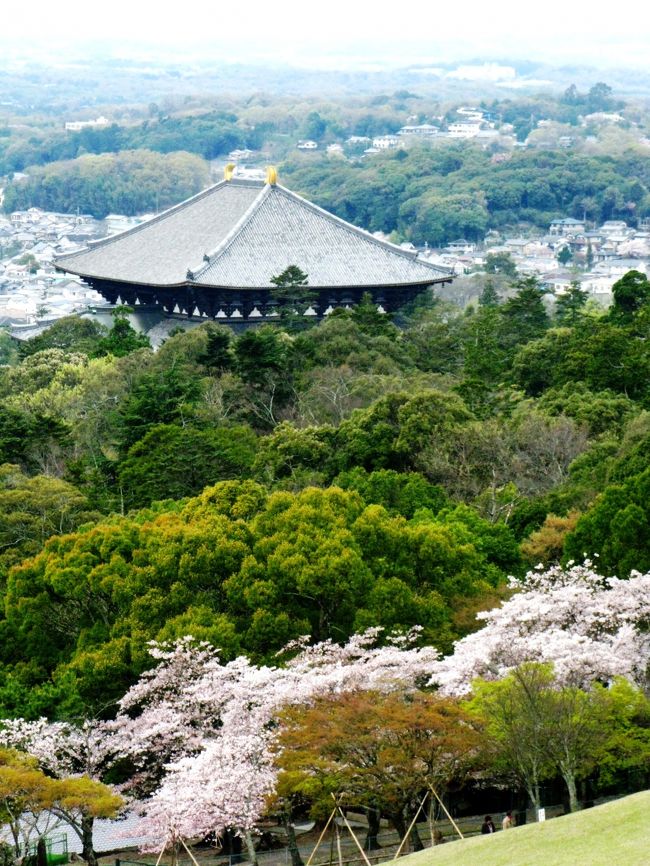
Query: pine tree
(292, 294)
(489, 295)
(569, 307)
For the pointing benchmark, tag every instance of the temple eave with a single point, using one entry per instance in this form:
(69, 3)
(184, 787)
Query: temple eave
(225, 302)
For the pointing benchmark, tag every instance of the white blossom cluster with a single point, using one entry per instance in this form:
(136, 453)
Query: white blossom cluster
(589, 626)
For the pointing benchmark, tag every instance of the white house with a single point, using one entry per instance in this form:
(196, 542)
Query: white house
(385, 142)
(423, 130)
(78, 125)
(463, 130)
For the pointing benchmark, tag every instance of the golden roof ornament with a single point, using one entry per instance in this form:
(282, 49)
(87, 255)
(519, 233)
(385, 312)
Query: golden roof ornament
(229, 171)
(271, 175)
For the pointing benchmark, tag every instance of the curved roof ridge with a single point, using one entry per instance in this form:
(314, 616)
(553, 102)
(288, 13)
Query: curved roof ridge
(366, 235)
(204, 193)
(234, 231)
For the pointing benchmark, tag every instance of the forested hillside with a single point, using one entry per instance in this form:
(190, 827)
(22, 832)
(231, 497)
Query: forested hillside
(436, 195)
(288, 481)
(543, 158)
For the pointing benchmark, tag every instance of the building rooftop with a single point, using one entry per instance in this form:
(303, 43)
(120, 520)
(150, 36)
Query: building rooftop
(240, 233)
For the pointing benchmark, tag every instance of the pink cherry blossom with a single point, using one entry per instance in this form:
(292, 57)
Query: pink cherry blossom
(589, 626)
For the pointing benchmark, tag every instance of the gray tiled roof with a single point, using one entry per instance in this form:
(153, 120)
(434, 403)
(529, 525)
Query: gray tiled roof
(283, 229)
(160, 251)
(250, 231)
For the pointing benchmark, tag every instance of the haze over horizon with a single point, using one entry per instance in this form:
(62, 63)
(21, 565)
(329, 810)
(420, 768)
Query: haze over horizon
(377, 35)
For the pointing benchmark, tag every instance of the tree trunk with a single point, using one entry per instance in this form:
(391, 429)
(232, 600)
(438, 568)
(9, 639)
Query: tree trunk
(416, 841)
(231, 845)
(533, 793)
(374, 825)
(16, 837)
(398, 822)
(570, 781)
(41, 852)
(292, 845)
(88, 852)
(250, 847)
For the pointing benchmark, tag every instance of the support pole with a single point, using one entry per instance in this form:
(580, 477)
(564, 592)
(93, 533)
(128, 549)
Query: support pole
(358, 844)
(320, 838)
(162, 851)
(456, 828)
(192, 858)
(338, 845)
(411, 825)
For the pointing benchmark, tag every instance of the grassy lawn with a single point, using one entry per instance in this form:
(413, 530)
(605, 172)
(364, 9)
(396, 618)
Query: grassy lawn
(614, 834)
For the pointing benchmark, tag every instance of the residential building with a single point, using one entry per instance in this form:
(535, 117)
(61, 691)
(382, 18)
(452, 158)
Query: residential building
(78, 125)
(567, 226)
(385, 142)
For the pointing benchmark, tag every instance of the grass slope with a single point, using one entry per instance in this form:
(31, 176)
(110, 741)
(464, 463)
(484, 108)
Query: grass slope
(614, 834)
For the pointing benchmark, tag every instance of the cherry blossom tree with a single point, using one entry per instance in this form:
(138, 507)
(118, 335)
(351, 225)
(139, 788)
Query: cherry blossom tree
(589, 626)
(200, 733)
(76, 753)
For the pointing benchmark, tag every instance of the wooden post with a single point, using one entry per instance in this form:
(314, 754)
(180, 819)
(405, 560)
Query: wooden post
(447, 813)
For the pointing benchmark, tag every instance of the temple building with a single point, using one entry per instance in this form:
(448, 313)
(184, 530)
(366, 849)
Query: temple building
(214, 256)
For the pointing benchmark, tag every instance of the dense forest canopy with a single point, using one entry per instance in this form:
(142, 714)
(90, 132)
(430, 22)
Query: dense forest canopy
(251, 489)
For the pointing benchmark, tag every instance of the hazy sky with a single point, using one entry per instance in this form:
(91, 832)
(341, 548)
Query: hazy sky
(399, 31)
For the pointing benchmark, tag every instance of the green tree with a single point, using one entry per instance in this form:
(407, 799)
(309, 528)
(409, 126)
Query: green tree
(500, 263)
(172, 462)
(537, 728)
(434, 342)
(370, 320)
(540, 363)
(524, 316)
(569, 306)
(28, 438)
(71, 334)
(515, 727)
(616, 527)
(8, 349)
(601, 411)
(218, 355)
(565, 255)
(131, 181)
(630, 294)
(314, 127)
(489, 296)
(34, 509)
(484, 355)
(157, 397)
(262, 361)
(122, 339)
(243, 569)
(403, 493)
(292, 294)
